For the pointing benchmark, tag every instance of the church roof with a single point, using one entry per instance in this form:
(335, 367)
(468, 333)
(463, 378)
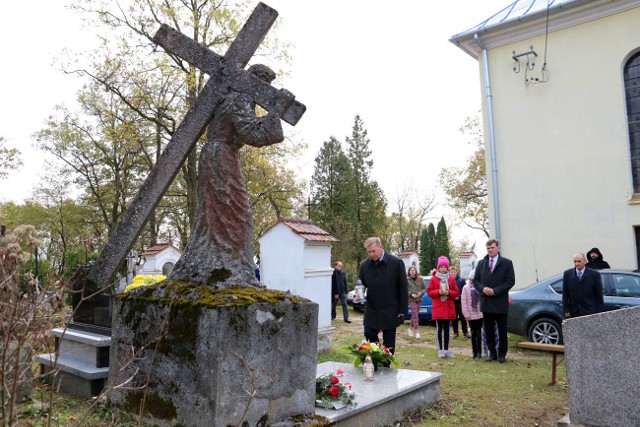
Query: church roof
(307, 230)
(516, 11)
(525, 19)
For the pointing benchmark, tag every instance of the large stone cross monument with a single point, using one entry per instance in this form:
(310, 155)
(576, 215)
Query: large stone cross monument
(210, 346)
(228, 79)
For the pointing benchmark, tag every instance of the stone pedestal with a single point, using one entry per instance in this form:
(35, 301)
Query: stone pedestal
(213, 357)
(80, 365)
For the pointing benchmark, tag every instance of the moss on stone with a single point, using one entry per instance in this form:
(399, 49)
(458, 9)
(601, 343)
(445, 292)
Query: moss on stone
(179, 292)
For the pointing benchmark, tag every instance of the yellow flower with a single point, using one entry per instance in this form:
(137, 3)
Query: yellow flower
(147, 280)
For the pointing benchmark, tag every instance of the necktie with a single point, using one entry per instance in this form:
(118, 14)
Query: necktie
(490, 265)
(580, 274)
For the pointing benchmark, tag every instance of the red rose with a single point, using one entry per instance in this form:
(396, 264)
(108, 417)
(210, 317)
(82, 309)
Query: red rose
(334, 380)
(334, 391)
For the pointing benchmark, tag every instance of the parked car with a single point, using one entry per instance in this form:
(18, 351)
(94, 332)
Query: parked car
(356, 305)
(425, 307)
(536, 311)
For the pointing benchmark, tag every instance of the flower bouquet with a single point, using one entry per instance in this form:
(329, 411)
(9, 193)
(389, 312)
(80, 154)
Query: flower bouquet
(331, 393)
(380, 354)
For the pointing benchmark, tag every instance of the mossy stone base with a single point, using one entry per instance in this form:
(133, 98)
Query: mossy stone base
(213, 357)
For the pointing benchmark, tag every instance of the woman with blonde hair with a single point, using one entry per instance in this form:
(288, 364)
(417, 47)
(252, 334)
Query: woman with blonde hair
(416, 289)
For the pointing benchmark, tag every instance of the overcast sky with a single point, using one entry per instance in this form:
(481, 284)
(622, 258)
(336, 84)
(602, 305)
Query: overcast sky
(389, 62)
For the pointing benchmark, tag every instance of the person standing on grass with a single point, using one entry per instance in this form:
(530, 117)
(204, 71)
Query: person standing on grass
(443, 290)
(453, 271)
(416, 289)
(470, 302)
(384, 278)
(493, 278)
(339, 291)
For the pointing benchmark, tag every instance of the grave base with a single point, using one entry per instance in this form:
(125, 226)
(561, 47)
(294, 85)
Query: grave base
(384, 400)
(214, 358)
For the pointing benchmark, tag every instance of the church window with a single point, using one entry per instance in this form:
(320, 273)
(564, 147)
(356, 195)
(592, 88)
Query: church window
(632, 93)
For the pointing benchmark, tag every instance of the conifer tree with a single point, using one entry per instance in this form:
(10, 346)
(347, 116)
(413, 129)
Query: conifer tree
(432, 256)
(442, 240)
(370, 203)
(424, 252)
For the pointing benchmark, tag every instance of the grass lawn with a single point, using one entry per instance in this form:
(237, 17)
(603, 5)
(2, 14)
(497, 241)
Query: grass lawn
(473, 392)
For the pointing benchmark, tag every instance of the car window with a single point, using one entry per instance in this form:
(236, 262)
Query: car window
(626, 285)
(557, 287)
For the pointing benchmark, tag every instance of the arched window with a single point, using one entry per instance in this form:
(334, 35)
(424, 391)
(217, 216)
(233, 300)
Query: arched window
(167, 268)
(632, 93)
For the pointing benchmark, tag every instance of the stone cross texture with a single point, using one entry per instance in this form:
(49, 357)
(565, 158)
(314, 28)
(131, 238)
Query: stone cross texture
(226, 74)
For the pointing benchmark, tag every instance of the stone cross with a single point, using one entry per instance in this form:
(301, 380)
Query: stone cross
(226, 74)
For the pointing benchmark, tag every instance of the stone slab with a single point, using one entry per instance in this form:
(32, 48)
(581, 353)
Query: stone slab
(385, 399)
(71, 384)
(603, 367)
(73, 366)
(89, 338)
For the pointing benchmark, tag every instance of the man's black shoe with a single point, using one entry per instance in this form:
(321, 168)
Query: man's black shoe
(347, 321)
(501, 360)
(491, 358)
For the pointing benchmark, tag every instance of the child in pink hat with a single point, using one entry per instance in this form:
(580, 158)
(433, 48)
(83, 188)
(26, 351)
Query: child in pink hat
(443, 290)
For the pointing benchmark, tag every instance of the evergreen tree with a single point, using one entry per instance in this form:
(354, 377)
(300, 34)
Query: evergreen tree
(432, 256)
(442, 240)
(333, 200)
(424, 252)
(370, 203)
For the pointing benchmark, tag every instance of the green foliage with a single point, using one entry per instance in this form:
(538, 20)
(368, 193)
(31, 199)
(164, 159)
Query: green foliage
(442, 240)
(431, 254)
(424, 252)
(345, 200)
(370, 202)
(9, 159)
(466, 187)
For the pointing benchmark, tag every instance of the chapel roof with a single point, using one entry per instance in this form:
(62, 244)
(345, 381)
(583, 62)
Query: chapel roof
(307, 230)
(157, 248)
(407, 252)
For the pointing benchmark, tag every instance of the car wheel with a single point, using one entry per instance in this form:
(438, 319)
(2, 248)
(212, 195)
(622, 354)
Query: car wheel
(545, 331)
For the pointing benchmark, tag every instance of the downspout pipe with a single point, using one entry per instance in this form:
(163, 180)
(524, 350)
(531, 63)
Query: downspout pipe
(492, 137)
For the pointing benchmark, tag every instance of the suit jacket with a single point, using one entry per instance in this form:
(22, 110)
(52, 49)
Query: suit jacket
(338, 283)
(386, 284)
(501, 279)
(584, 296)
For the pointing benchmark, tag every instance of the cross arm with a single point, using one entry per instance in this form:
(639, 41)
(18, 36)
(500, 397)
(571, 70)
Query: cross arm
(211, 63)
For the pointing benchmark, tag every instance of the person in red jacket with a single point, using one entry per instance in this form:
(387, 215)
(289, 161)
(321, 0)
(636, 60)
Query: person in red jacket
(443, 290)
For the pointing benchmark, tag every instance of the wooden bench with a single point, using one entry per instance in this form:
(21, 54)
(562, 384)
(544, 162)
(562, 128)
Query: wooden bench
(554, 349)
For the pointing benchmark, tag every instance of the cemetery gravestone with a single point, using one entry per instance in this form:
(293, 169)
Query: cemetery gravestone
(213, 348)
(603, 371)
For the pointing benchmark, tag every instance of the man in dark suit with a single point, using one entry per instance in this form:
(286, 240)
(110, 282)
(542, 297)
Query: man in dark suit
(493, 278)
(581, 289)
(339, 291)
(385, 280)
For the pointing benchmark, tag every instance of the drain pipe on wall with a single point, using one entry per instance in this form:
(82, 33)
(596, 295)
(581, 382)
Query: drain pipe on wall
(492, 138)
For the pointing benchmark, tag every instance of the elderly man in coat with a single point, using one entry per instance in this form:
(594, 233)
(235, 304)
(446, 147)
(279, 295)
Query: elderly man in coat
(385, 280)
